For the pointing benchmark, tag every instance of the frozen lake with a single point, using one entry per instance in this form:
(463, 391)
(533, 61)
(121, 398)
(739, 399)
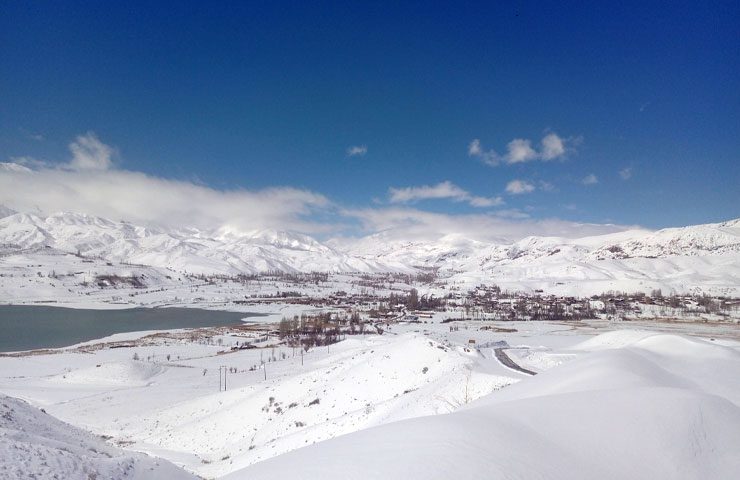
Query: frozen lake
(26, 327)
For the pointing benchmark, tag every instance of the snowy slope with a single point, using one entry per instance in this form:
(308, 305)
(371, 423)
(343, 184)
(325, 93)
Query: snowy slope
(659, 406)
(36, 445)
(361, 383)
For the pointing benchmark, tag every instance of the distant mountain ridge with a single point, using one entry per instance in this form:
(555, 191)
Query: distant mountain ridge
(698, 254)
(191, 250)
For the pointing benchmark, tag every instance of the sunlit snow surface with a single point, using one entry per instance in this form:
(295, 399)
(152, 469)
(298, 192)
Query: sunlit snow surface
(414, 402)
(661, 406)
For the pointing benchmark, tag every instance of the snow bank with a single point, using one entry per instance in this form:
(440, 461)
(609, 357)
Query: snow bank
(129, 373)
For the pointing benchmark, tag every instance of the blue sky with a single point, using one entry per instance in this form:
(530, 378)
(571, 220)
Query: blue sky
(644, 97)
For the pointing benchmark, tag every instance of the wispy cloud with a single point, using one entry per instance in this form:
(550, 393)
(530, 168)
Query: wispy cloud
(519, 187)
(546, 186)
(489, 157)
(89, 153)
(29, 162)
(443, 190)
(403, 223)
(357, 151)
(13, 167)
(626, 173)
(590, 179)
(36, 137)
(520, 150)
(486, 201)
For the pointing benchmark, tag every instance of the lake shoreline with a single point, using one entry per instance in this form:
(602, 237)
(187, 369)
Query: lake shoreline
(35, 327)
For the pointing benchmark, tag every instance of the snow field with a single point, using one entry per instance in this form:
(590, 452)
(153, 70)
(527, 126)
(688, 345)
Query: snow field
(662, 407)
(172, 409)
(379, 414)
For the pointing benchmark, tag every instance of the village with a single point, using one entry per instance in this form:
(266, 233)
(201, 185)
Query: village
(410, 298)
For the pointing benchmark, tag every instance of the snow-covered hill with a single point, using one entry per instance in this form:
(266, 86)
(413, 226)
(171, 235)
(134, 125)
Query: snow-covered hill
(661, 406)
(696, 258)
(34, 444)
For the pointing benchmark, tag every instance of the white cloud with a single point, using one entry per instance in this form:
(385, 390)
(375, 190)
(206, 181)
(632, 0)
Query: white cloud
(443, 190)
(520, 150)
(137, 197)
(87, 184)
(357, 150)
(488, 157)
(89, 153)
(474, 149)
(518, 187)
(552, 147)
(590, 179)
(626, 173)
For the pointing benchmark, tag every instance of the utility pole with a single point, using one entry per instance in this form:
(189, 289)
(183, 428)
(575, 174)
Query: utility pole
(222, 378)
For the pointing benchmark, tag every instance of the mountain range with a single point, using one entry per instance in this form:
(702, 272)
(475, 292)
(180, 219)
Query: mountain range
(694, 257)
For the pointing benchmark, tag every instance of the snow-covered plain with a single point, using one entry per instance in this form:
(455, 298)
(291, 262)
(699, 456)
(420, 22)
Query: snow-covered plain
(420, 400)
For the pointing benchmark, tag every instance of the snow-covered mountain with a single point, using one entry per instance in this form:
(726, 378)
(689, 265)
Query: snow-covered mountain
(696, 257)
(701, 257)
(188, 250)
